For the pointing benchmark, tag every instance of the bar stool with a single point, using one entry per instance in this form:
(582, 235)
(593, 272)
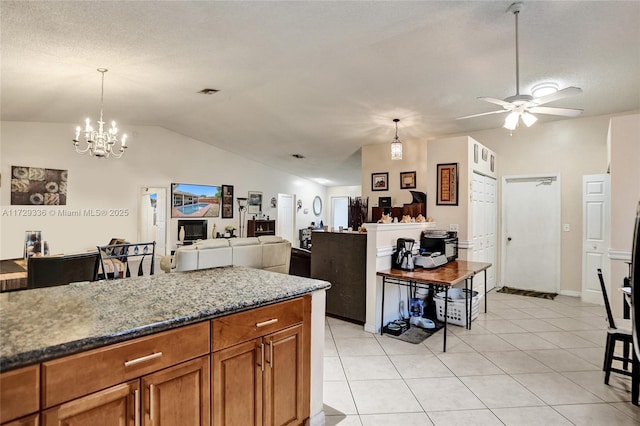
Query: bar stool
(619, 330)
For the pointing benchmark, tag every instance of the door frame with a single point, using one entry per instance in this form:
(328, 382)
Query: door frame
(503, 232)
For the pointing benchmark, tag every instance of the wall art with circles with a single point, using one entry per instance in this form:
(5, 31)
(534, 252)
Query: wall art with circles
(37, 186)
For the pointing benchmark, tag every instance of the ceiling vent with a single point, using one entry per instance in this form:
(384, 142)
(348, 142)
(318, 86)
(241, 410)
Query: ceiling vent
(298, 156)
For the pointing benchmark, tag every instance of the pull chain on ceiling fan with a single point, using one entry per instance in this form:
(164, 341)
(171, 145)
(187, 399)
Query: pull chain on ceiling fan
(522, 106)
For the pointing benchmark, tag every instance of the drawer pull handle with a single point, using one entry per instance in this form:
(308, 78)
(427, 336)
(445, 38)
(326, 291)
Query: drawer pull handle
(268, 322)
(151, 407)
(143, 359)
(261, 356)
(136, 398)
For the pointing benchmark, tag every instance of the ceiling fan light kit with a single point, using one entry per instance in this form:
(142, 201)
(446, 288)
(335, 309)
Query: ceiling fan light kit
(523, 107)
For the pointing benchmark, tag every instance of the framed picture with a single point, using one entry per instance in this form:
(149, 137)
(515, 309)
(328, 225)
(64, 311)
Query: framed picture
(254, 206)
(407, 180)
(484, 154)
(227, 201)
(37, 186)
(493, 160)
(447, 184)
(475, 153)
(380, 181)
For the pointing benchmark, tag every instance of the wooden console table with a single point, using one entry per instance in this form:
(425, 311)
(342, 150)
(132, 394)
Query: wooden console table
(441, 278)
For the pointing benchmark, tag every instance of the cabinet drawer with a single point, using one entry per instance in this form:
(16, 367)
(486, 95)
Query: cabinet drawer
(77, 375)
(236, 328)
(19, 392)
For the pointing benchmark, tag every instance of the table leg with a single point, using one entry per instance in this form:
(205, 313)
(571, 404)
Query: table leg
(446, 309)
(382, 309)
(470, 296)
(635, 380)
(485, 291)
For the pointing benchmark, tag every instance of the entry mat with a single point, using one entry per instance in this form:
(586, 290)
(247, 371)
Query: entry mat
(531, 293)
(9, 266)
(416, 334)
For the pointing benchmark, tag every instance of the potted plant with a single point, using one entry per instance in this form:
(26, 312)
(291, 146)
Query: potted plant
(229, 231)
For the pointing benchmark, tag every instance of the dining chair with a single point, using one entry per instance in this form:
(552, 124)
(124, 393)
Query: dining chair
(619, 330)
(116, 258)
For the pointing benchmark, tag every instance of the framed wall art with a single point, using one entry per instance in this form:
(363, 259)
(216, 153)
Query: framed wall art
(408, 180)
(447, 184)
(254, 206)
(37, 186)
(227, 201)
(380, 181)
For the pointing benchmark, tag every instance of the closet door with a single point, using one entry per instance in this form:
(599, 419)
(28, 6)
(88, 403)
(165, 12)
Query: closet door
(485, 224)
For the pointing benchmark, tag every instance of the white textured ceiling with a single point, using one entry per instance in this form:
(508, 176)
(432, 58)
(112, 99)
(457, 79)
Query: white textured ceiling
(317, 78)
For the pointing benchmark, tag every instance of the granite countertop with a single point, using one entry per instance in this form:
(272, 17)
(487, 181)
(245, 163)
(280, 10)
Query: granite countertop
(42, 324)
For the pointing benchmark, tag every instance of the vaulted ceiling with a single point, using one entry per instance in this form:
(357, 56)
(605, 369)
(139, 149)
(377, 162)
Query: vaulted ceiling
(320, 79)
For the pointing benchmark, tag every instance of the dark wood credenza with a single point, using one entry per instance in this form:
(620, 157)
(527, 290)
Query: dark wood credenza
(411, 209)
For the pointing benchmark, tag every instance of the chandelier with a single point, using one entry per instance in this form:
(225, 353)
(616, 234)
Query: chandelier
(100, 143)
(396, 145)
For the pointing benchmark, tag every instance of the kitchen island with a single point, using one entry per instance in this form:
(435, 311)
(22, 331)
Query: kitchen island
(60, 336)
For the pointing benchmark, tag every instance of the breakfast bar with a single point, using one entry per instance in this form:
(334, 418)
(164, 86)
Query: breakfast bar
(117, 349)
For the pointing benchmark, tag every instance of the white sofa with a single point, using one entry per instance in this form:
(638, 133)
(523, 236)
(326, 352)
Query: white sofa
(265, 252)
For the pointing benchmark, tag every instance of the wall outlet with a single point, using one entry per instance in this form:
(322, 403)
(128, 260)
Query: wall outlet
(453, 227)
(566, 227)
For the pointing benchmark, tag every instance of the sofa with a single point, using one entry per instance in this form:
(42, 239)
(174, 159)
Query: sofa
(268, 252)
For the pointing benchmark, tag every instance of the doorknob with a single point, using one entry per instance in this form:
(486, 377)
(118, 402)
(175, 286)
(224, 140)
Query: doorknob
(508, 238)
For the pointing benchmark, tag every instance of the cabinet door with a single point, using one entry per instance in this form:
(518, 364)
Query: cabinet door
(32, 420)
(237, 384)
(179, 395)
(283, 378)
(117, 405)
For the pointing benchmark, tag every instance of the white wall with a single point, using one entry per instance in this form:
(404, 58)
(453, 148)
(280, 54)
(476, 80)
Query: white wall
(156, 157)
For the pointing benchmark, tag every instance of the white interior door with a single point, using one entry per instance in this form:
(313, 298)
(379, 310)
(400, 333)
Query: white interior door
(340, 212)
(531, 232)
(595, 235)
(485, 223)
(285, 225)
(153, 217)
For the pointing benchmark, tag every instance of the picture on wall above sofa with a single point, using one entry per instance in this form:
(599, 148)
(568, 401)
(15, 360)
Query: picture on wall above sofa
(190, 200)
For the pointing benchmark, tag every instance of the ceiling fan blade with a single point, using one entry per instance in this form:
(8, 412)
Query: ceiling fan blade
(481, 114)
(566, 112)
(560, 94)
(497, 102)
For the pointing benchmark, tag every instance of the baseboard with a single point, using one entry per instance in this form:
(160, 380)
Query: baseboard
(317, 419)
(571, 293)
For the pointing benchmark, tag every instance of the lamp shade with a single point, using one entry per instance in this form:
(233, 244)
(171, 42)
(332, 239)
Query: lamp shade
(242, 202)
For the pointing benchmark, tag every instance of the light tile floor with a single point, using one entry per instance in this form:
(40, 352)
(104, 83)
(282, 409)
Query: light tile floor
(528, 361)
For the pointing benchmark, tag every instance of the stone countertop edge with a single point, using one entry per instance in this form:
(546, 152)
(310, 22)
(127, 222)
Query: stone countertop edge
(43, 324)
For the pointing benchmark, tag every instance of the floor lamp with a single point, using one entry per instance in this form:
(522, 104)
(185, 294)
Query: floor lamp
(242, 207)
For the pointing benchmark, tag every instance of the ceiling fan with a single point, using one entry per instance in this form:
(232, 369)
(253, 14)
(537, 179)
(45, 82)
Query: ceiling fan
(522, 106)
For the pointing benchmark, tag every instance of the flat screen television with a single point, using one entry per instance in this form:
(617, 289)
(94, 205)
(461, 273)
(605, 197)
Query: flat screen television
(195, 201)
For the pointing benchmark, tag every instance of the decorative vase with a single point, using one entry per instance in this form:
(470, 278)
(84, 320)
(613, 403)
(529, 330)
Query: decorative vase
(213, 232)
(181, 234)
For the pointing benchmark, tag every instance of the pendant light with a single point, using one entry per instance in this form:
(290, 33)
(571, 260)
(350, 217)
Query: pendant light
(396, 145)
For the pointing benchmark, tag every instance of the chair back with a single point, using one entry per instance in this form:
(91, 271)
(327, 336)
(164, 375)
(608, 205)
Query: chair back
(116, 258)
(612, 323)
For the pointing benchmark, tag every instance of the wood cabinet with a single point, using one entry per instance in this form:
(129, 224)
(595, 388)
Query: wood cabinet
(256, 228)
(117, 405)
(249, 368)
(178, 395)
(19, 393)
(261, 366)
